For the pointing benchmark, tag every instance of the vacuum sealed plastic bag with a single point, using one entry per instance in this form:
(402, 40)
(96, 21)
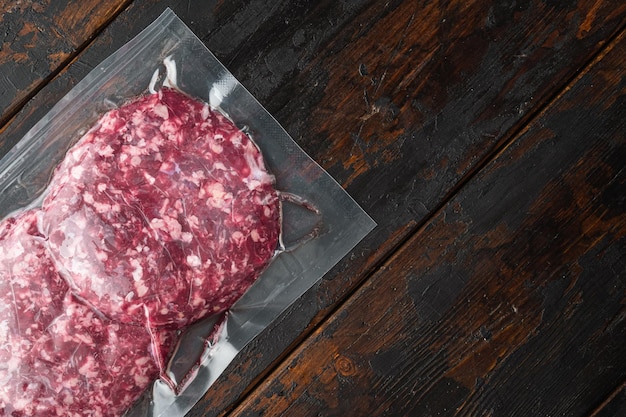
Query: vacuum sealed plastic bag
(152, 197)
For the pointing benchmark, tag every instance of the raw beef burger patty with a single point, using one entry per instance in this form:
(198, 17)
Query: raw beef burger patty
(57, 358)
(163, 213)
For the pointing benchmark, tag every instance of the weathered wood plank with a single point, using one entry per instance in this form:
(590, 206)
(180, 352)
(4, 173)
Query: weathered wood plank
(398, 100)
(509, 302)
(37, 39)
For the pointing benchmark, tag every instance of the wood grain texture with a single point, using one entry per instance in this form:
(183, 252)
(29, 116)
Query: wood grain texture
(509, 302)
(37, 38)
(399, 100)
(399, 106)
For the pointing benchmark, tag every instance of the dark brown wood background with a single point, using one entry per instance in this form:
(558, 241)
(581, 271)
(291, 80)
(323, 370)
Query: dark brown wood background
(486, 138)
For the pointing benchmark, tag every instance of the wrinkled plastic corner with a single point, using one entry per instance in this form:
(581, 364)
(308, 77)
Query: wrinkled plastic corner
(166, 47)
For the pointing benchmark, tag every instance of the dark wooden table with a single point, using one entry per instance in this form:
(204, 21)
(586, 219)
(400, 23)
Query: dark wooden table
(486, 138)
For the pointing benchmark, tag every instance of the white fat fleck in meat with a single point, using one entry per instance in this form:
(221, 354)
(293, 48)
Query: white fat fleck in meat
(88, 198)
(138, 271)
(141, 380)
(158, 224)
(170, 129)
(217, 148)
(193, 221)
(236, 140)
(149, 178)
(77, 172)
(102, 208)
(205, 112)
(161, 111)
(101, 255)
(164, 207)
(237, 237)
(135, 161)
(197, 176)
(193, 261)
(141, 288)
(174, 228)
(137, 117)
(106, 151)
(169, 167)
(109, 122)
(88, 369)
(83, 338)
(4, 332)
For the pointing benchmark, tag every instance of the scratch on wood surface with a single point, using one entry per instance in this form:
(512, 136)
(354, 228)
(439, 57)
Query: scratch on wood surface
(413, 74)
(371, 107)
(7, 80)
(396, 48)
(492, 312)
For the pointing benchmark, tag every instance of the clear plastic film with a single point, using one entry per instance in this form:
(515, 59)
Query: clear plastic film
(318, 223)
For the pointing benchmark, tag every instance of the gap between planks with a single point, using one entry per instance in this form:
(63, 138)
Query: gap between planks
(596, 411)
(415, 228)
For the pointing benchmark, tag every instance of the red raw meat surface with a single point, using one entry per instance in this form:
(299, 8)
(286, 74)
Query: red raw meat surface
(57, 357)
(32, 295)
(163, 213)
